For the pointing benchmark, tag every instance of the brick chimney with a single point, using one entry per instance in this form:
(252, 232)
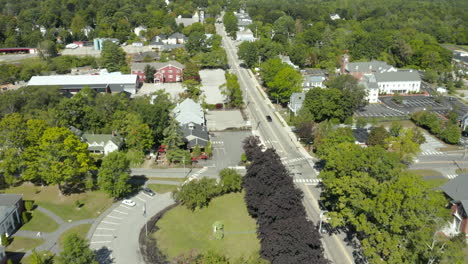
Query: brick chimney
(344, 62)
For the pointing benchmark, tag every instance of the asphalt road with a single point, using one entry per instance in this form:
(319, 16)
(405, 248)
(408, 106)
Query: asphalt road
(275, 135)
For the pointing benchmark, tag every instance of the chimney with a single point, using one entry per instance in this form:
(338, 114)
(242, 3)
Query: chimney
(113, 133)
(344, 62)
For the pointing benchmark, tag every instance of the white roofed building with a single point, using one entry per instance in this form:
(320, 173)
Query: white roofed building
(109, 83)
(189, 112)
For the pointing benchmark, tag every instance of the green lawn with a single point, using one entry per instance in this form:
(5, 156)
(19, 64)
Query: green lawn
(40, 222)
(80, 230)
(46, 254)
(50, 198)
(23, 244)
(182, 230)
(426, 173)
(167, 179)
(162, 188)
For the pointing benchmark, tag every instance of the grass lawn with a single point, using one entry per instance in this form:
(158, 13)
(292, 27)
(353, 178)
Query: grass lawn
(80, 230)
(182, 230)
(461, 171)
(23, 244)
(46, 254)
(162, 188)
(50, 198)
(425, 173)
(465, 250)
(40, 222)
(167, 179)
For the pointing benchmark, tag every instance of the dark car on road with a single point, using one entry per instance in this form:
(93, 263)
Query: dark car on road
(268, 118)
(148, 191)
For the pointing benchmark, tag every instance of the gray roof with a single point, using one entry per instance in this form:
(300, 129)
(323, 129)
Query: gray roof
(142, 56)
(9, 199)
(314, 72)
(244, 23)
(314, 78)
(195, 134)
(102, 139)
(295, 102)
(361, 134)
(189, 112)
(140, 66)
(399, 76)
(177, 35)
(369, 81)
(172, 46)
(457, 188)
(368, 66)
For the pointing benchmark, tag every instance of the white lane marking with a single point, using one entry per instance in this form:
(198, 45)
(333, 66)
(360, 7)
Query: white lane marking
(125, 206)
(95, 242)
(103, 235)
(151, 197)
(103, 228)
(115, 210)
(140, 199)
(110, 223)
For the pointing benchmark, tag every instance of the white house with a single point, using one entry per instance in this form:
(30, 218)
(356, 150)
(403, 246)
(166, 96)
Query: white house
(295, 102)
(372, 88)
(176, 38)
(402, 81)
(287, 60)
(245, 35)
(102, 143)
(11, 206)
(335, 17)
(138, 30)
(311, 81)
(137, 44)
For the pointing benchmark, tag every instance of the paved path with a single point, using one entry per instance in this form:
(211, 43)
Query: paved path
(51, 239)
(163, 182)
(115, 236)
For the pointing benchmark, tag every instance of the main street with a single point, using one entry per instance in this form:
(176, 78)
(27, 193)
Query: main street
(277, 135)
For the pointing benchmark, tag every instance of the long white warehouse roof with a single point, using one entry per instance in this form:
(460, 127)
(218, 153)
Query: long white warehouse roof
(83, 79)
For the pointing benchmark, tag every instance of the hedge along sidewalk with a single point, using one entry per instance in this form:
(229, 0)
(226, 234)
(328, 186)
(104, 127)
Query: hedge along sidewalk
(50, 239)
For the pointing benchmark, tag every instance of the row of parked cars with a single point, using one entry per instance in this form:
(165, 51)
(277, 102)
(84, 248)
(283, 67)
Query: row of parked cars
(131, 203)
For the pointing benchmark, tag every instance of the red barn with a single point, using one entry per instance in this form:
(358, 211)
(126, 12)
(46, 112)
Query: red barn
(166, 72)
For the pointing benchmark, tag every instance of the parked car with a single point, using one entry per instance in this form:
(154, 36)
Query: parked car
(148, 191)
(128, 202)
(268, 118)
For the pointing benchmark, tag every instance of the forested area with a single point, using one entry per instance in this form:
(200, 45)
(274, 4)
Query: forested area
(273, 200)
(402, 33)
(36, 144)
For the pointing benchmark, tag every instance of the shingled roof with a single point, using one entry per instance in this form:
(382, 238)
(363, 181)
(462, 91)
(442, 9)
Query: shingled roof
(140, 66)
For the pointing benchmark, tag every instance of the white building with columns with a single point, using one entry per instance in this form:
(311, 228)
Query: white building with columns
(11, 206)
(401, 82)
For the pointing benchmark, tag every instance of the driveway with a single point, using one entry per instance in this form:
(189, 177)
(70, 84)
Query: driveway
(115, 234)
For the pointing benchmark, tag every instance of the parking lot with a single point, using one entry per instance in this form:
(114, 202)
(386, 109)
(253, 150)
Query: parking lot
(379, 110)
(221, 120)
(211, 80)
(227, 149)
(116, 236)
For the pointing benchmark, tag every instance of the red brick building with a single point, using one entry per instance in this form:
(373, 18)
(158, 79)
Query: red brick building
(166, 72)
(457, 192)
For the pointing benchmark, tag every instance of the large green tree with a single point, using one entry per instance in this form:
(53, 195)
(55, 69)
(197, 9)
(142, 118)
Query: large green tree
(114, 175)
(76, 250)
(113, 57)
(286, 82)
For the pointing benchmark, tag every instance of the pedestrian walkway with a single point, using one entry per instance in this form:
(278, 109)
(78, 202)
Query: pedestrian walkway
(197, 174)
(432, 153)
(51, 239)
(307, 181)
(452, 176)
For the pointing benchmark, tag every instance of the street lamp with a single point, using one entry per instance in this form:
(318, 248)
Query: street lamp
(322, 213)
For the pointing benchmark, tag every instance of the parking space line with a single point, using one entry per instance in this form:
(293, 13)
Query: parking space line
(103, 235)
(110, 223)
(115, 217)
(95, 242)
(140, 199)
(103, 228)
(115, 210)
(125, 206)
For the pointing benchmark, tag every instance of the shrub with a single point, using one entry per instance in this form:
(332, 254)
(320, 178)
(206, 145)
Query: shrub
(78, 204)
(4, 239)
(25, 217)
(28, 205)
(197, 193)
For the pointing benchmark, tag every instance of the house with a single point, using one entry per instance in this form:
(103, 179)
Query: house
(107, 83)
(287, 60)
(139, 30)
(311, 81)
(146, 56)
(11, 207)
(166, 72)
(195, 134)
(402, 82)
(198, 16)
(295, 102)
(460, 59)
(102, 143)
(87, 30)
(3, 257)
(358, 69)
(335, 17)
(372, 88)
(245, 35)
(176, 38)
(457, 191)
(189, 112)
(137, 44)
(243, 20)
(361, 135)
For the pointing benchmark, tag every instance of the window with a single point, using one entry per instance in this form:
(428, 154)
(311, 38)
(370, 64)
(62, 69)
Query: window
(163, 71)
(170, 76)
(170, 71)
